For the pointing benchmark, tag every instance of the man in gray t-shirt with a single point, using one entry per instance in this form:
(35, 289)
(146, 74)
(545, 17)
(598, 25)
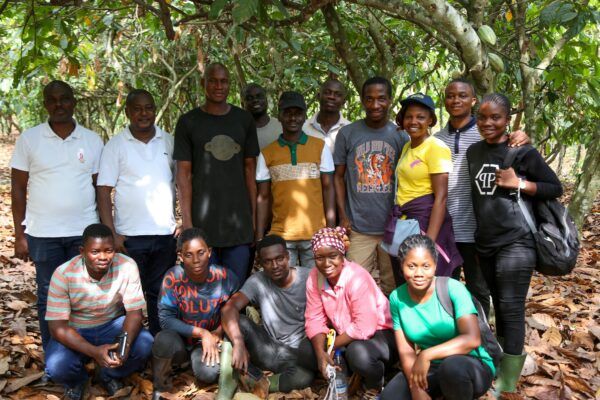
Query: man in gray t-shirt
(365, 157)
(280, 344)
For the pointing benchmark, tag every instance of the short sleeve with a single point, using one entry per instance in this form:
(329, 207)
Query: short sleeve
(262, 171)
(20, 158)
(167, 295)
(339, 149)
(232, 283)
(251, 148)
(133, 297)
(461, 299)
(182, 149)
(395, 310)
(251, 288)
(439, 158)
(58, 307)
(108, 173)
(326, 166)
(98, 147)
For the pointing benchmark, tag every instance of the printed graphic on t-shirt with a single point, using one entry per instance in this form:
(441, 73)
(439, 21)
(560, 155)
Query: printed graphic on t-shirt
(222, 147)
(288, 172)
(485, 180)
(374, 163)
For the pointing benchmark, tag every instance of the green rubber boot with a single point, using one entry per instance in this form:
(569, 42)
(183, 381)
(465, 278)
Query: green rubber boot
(227, 382)
(509, 373)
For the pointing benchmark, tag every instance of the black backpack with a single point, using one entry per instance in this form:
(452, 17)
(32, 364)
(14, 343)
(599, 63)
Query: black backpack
(553, 229)
(488, 339)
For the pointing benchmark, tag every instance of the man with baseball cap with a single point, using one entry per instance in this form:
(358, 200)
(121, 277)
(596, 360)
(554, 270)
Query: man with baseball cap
(296, 172)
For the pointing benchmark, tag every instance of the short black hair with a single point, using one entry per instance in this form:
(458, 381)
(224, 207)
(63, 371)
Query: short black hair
(190, 234)
(212, 66)
(465, 81)
(96, 231)
(336, 81)
(58, 83)
(135, 93)
(253, 85)
(377, 80)
(417, 242)
(499, 99)
(270, 240)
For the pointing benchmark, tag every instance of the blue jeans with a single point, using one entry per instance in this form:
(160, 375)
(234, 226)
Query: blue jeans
(234, 258)
(154, 255)
(47, 255)
(67, 366)
(300, 253)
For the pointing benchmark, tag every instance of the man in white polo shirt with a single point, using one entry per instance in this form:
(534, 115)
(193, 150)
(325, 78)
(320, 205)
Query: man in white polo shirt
(53, 174)
(328, 121)
(138, 164)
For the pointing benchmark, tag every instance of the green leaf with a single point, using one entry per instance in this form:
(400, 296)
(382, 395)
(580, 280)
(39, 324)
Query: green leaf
(281, 8)
(216, 8)
(243, 10)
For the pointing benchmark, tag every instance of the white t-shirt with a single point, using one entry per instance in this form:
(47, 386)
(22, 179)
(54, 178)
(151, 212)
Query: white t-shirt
(61, 200)
(313, 128)
(142, 175)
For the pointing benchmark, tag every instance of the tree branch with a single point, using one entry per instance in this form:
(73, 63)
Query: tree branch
(165, 17)
(172, 93)
(387, 60)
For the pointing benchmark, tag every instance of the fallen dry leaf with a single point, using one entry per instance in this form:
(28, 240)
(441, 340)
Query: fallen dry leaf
(17, 383)
(552, 336)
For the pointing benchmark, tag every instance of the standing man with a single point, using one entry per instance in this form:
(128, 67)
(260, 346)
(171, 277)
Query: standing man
(365, 157)
(255, 102)
(216, 149)
(138, 164)
(328, 121)
(53, 175)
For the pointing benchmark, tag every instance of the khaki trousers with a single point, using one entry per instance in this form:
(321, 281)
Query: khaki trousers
(366, 251)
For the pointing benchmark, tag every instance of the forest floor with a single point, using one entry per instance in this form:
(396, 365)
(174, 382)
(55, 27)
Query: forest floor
(563, 329)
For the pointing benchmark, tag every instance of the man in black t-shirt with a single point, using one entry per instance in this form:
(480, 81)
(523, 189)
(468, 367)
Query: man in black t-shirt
(216, 148)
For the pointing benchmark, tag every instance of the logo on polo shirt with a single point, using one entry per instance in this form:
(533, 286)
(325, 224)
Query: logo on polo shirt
(485, 180)
(80, 156)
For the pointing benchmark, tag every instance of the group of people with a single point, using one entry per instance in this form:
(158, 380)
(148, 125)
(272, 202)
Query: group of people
(99, 223)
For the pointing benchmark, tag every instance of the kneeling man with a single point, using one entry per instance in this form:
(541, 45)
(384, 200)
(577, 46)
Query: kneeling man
(280, 344)
(94, 298)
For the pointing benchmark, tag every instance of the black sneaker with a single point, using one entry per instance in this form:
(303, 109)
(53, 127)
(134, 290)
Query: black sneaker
(75, 392)
(112, 385)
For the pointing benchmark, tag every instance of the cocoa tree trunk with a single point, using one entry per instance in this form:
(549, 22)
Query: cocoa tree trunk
(588, 184)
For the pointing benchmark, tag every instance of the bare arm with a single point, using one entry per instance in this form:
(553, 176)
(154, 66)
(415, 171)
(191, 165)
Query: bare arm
(328, 199)
(250, 178)
(184, 190)
(18, 195)
(408, 356)
(132, 325)
(230, 321)
(439, 183)
(340, 195)
(106, 217)
(263, 209)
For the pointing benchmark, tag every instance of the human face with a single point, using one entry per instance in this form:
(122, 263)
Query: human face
(141, 113)
(216, 84)
(418, 268)
(292, 119)
(376, 102)
(416, 122)
(98, 255)
(492, 121)
(60, 104)
(459, 100)
(195, 255)
(275, 261)
(332, 97)
(255, 101)
(329, 262)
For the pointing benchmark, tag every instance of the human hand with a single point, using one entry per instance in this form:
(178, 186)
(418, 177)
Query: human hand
(104, 357)
(507, 178)
(518, 138)
(21, 247)
(120, 244)
(419, 394)
(240, 357)
(324, 359)
(210, 348)
(346, 224)
(418, 377)
(178, 230)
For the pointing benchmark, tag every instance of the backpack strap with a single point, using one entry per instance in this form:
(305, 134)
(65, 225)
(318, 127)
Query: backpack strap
(441, 289)
(509, 160)
(510, 157)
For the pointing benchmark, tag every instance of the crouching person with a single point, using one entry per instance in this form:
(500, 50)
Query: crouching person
(280, 344)
(189, 310)
(87, 298)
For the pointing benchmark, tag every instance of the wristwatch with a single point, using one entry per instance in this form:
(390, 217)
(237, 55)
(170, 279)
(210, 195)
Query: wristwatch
(522, 184)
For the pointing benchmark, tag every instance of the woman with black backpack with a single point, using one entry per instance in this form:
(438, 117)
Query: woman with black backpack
(452, 362)
(505, 244)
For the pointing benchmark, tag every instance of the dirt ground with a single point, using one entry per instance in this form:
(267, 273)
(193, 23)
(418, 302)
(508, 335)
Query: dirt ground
(563, 332)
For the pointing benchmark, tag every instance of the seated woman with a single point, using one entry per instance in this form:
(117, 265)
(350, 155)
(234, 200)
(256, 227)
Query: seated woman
(342, 295)
(189, 310)
(422, 181)
(503, 239)
(451, 362)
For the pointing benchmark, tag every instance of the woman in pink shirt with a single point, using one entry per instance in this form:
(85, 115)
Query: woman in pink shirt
(342, 295)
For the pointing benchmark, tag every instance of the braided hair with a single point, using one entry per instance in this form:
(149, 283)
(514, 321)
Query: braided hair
(417, 242)
(189, 235)
(498, 99)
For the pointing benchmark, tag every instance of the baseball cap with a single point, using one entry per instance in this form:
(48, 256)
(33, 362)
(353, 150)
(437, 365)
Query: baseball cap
(291, 99)
(419, 98)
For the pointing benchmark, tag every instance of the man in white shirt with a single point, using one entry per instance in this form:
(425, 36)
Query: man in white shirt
(138, 164)
(328, 121)
(255, 102)
(53, 174)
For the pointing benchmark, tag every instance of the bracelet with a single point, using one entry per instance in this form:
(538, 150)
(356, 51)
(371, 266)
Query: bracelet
(519, 188)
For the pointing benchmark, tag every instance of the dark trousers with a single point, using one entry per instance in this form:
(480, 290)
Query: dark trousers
(474, 276)
(154, 255)
(508, 273)
(296, 367)
(234, 258)
(47, 255)
(66, 366)
(457, 377)
(369, 358)
(169, 344)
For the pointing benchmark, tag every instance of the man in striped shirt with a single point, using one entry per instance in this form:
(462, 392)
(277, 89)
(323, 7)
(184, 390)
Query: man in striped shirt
(92, 299)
